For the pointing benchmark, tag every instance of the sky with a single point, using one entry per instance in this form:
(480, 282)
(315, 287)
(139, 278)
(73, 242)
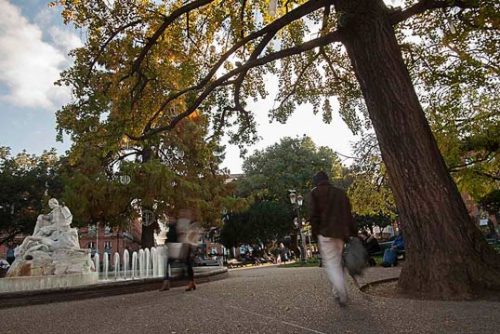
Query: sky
(34, 46)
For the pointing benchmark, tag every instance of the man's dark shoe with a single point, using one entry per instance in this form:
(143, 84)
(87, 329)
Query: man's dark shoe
(341, 303)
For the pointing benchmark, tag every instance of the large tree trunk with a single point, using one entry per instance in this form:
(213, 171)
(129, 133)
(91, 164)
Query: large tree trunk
(447, 256)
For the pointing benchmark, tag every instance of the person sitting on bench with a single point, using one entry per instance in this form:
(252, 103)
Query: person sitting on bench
(371, 245)
(390, 258)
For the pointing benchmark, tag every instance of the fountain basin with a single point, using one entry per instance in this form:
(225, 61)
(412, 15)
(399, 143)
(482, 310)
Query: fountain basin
(30, 283)
(106, 288)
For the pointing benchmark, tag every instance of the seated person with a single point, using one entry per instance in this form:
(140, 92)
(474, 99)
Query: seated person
(371, 245)
(390, 258)
(398, 244)
(492, 233)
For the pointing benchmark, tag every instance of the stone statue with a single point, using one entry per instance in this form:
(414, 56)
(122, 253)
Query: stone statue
(52, 231)
(53, 248)
(59, 216)
(161, 235)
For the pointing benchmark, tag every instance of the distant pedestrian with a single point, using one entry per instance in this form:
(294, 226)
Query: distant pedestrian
(4, 267)
(11, 254)
(332, 223)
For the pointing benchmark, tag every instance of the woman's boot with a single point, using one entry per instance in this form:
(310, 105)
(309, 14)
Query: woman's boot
(165, 286)
(191, 286)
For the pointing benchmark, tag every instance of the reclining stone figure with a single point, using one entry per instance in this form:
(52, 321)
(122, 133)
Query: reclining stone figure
(53, 248)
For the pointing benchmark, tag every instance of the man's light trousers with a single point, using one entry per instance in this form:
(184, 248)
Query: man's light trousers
(331, 257)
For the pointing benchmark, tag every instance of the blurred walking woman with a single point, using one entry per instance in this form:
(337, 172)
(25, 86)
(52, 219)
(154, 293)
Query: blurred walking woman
(182, 239)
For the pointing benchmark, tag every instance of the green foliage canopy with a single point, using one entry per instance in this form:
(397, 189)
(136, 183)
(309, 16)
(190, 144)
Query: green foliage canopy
(370, 192)
(265, 221)
(213, 55)
(164, 178)
(28, 182)
(289, 164)
(148, 64)
(268, 176)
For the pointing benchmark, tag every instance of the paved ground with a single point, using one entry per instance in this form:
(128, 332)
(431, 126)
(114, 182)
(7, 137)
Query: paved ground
(261, 300)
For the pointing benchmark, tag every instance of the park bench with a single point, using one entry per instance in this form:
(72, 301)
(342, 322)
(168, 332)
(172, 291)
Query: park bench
(492, 241)
(386, 245)
(401, 253)
(233, 263)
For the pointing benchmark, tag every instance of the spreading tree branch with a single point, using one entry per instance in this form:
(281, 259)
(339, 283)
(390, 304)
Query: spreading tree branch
(239, 81)
(425, 5)
(298, 79)
(161, 29)
(486, 158)
(334, 36)
(106, 43)
(332, 69)
(272, 28)
(490, 176)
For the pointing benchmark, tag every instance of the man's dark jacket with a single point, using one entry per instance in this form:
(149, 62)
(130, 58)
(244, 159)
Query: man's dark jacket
(330, 212)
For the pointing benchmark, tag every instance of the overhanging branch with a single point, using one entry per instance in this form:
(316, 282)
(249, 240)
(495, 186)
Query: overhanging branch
(425, 5)
(487, 157)
(270, 29)
(106, 43)
(166, 23)
(298, 79)
(334, 36)
(239, 81)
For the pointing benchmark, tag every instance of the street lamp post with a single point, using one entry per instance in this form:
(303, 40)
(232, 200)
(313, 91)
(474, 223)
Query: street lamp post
(309, 235)
(297, 201)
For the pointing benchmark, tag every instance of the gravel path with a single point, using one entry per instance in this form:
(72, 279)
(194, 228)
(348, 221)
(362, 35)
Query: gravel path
(261, 300)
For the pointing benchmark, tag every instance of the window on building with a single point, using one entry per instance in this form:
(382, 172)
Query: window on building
(108, 246)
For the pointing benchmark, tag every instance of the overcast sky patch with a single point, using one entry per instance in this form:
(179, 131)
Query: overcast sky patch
(29, 65)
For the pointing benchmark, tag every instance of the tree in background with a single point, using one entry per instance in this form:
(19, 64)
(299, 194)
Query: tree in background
(369, 221)
(369, 192)
(491, 204)
(212, 55)
(169, 171)
(28, 182)
(235, 230)
(264, 222)
(268, 176)
(270, 221)
(289, 164)
(166, 174)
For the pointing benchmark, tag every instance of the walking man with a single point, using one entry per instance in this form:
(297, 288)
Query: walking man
(332, 223)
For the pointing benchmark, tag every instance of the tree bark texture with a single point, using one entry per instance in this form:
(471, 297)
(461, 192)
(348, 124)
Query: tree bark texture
(447, 256)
